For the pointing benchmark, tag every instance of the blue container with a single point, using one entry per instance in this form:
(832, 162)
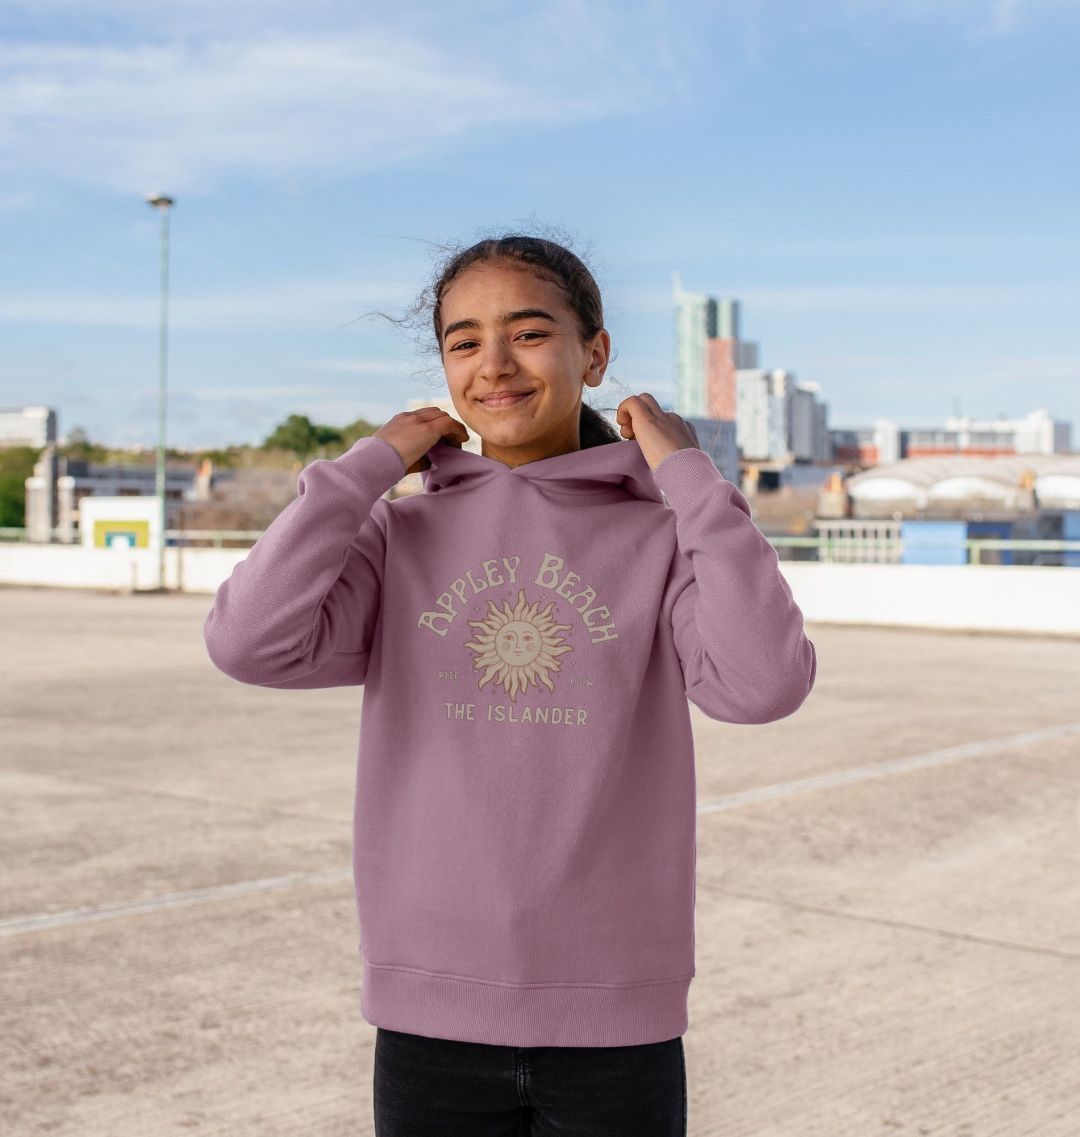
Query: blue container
(933, 542)
(1070, 531)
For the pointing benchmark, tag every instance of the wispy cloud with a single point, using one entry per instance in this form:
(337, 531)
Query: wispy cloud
(1044, 368)
(188, 112)
(662, 243)
(288, 305)
(384, 367)
(266, 391)
(982, 18)
(849, 298)
(1008, 16)
(338, 305)
(1003, 15)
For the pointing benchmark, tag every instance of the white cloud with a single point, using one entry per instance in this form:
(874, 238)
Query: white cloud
(288, 305)
(1007, 16)
(327, 305)
(849, 298)
(266, 391)
(16, 202)
(1003, 14)
(1044, 368)
(982, 18)
(662, 243)
(379, 375)
(182, 98)
(181, 114)
(391, 367)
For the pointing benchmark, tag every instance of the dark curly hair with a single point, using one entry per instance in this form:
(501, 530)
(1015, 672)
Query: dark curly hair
(548, 259)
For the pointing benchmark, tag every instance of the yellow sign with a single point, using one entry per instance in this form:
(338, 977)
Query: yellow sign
(126, 533)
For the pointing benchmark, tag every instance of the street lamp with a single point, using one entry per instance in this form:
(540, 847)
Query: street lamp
(162, 202)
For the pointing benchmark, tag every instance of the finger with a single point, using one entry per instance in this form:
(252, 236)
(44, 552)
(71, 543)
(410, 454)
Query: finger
(651, 409)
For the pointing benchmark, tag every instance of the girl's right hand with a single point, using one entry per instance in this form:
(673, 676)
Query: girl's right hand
(413, 433)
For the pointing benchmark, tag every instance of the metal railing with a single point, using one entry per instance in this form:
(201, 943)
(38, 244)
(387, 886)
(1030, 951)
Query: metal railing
(832, 549)
(827, 547)
(188, 538)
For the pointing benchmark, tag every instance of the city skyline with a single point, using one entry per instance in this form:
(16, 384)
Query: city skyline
(882, 187)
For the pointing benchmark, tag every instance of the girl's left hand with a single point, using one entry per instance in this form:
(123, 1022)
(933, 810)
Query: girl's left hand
(658, 432)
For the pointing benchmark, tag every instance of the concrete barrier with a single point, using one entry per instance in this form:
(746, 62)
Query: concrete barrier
(985, 598)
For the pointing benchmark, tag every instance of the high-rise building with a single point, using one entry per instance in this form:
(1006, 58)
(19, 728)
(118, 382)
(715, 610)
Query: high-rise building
(763, 406)
(809, 428)
(721, 364)
(708, 352)
(695, 325)
(718, 377)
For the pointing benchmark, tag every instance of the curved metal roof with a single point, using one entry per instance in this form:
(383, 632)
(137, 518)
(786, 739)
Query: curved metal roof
(958, 477)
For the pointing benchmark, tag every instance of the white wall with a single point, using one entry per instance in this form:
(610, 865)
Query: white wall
(985, 598)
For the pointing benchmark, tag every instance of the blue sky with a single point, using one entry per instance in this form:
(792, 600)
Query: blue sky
(891, 189)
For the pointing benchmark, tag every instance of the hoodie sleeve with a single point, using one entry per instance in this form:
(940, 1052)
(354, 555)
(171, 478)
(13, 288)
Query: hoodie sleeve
(300, 609)
(738, 632)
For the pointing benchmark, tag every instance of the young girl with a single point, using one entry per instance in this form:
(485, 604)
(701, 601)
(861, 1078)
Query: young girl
(527, 632)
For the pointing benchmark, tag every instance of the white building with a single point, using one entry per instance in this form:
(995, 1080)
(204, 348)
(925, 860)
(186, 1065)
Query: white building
(27, 426)
(1035, 433)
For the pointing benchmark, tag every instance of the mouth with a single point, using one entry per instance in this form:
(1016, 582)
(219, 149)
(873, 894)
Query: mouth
(509, 399)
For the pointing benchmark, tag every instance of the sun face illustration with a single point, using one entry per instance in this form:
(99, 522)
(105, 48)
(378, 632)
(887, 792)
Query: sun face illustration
(518, 646)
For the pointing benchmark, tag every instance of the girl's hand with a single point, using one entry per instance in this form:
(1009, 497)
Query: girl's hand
(658, 432)
(413, 433)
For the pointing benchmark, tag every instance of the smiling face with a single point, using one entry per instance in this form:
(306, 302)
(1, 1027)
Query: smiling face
(514, 361)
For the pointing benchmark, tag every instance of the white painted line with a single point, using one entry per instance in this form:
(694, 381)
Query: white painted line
(880, 769)
(15, 925)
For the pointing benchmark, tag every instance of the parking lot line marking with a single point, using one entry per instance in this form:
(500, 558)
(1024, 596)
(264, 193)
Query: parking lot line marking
(16, 925)
(880, 769)
(899, 925)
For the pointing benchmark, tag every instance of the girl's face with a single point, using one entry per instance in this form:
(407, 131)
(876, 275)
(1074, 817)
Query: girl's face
(514, 361)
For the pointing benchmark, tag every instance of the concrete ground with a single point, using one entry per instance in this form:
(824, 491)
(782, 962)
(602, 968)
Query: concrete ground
(888, 937)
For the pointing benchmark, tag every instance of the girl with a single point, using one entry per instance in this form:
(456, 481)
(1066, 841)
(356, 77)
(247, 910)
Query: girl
(527, 632)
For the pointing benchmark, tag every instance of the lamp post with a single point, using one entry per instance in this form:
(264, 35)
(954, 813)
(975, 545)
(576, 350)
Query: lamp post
(162, 202)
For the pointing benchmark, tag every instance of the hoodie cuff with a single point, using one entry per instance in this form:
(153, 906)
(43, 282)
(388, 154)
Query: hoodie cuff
(687, 473)
(372, 461)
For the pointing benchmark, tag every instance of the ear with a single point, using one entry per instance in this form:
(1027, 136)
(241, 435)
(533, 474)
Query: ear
(600, 353)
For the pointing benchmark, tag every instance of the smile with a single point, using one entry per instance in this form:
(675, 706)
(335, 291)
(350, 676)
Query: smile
(497, 402)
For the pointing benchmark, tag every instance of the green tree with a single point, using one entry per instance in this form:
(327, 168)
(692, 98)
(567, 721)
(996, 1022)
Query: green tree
(303, 437)
(358, 428)
(16, 465)
(78, 446)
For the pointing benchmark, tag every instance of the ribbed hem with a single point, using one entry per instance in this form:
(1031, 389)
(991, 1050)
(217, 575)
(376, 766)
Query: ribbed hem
(502, 1014)
(685, 474)
(372, 460)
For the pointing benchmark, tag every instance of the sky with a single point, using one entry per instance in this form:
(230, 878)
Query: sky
(890, 189)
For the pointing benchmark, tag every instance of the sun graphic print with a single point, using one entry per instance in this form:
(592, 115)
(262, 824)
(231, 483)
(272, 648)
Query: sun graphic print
(518, 646)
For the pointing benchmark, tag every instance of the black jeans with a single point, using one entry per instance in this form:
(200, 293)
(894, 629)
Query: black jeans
(437, 1087)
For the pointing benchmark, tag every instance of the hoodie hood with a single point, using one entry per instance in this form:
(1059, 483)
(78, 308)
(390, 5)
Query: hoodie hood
(612, 469)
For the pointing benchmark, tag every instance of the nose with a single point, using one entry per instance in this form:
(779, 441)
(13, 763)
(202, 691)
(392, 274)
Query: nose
(496, 359)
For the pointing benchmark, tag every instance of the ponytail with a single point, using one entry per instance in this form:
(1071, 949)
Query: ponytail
(595, 429)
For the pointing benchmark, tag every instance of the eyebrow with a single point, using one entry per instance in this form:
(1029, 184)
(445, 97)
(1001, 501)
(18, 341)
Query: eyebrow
(506, 318)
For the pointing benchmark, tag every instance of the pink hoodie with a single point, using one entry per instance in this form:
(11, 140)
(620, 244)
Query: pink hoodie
(527, 639)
